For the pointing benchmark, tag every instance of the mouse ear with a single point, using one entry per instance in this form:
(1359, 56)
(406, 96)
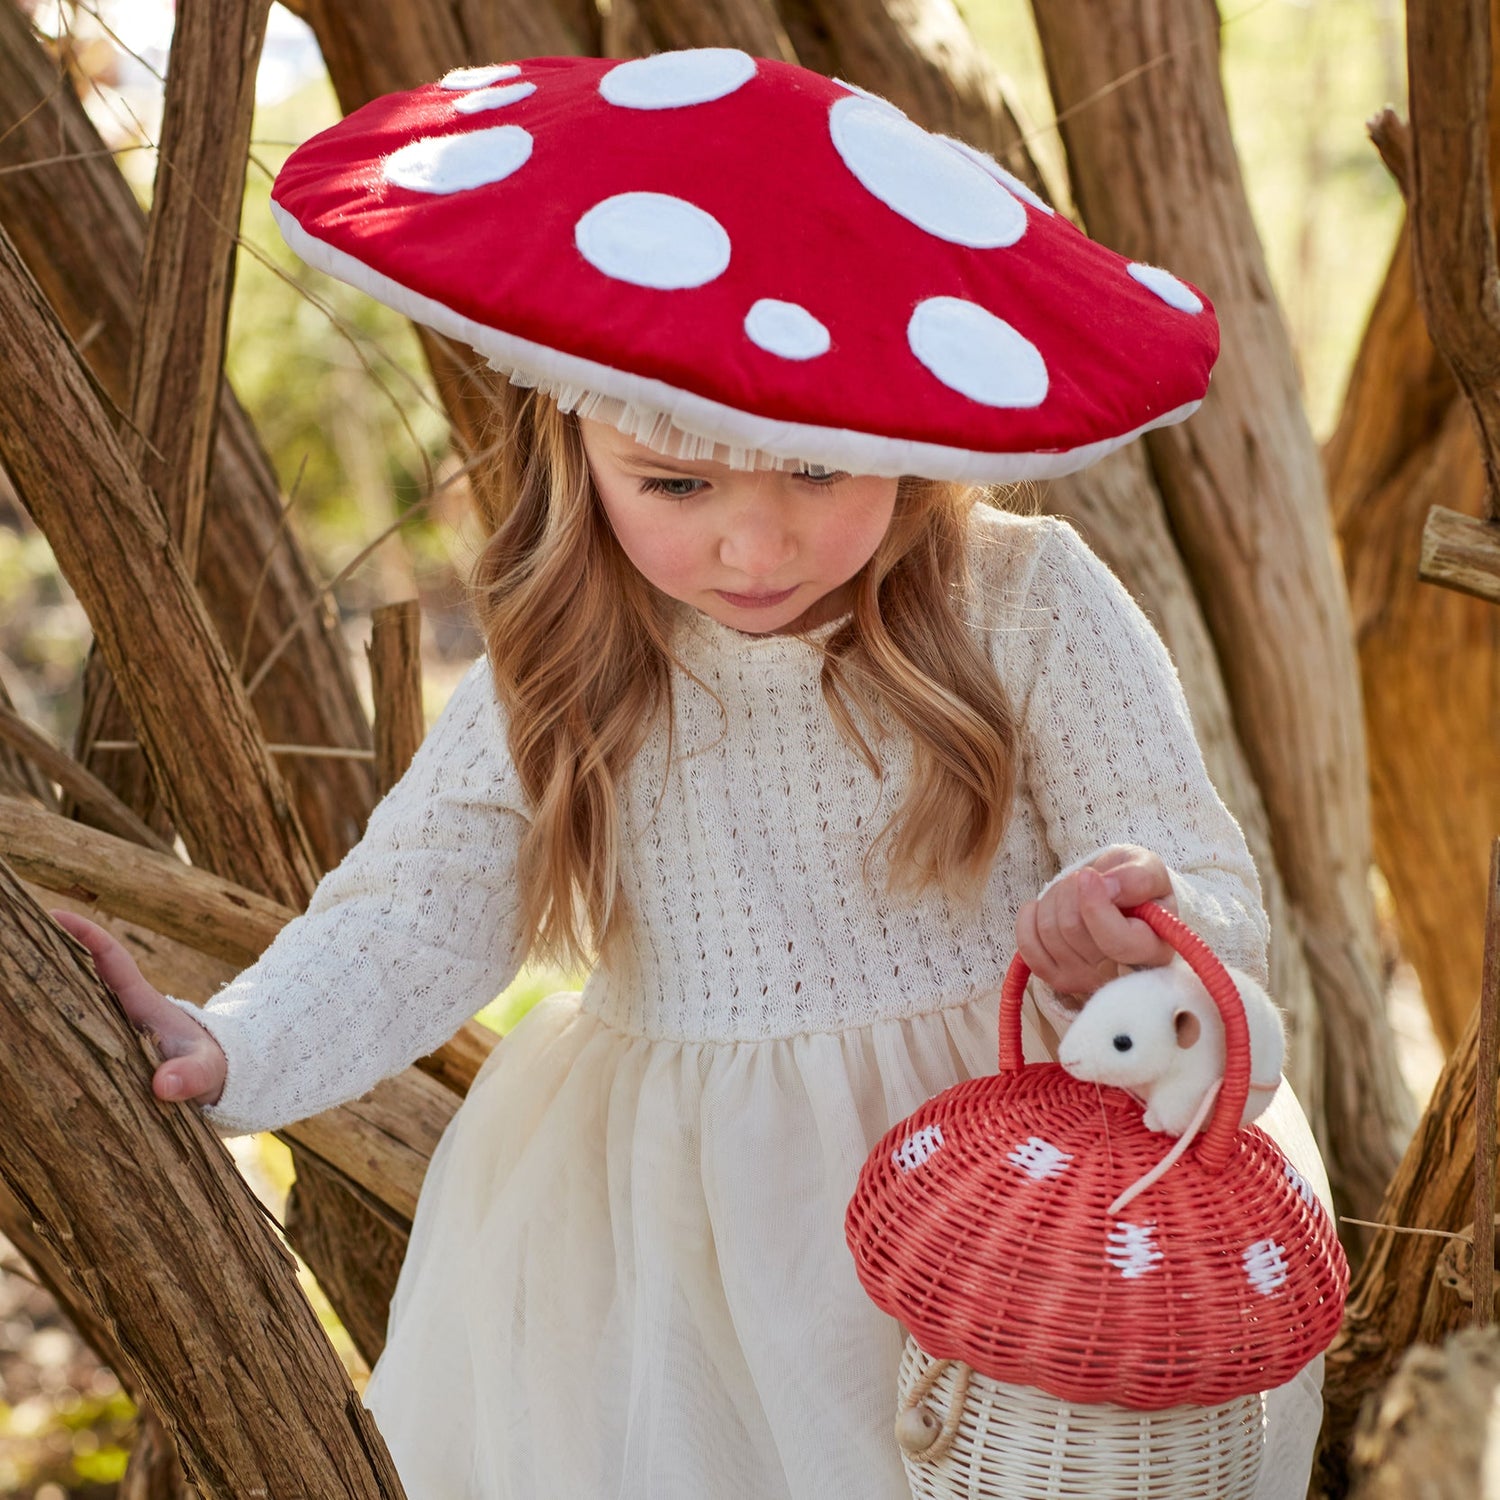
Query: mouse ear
(1188, 1027)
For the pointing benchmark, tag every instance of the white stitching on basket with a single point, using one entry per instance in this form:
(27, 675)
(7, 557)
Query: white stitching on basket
(918, 1148)
(1040, 1159)
(1131, 1249)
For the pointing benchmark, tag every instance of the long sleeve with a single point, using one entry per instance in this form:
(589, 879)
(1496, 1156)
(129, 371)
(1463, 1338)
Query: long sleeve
(412, 933)
(1109, 754)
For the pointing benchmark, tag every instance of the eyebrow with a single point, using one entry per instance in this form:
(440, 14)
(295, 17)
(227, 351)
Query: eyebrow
(652, 463)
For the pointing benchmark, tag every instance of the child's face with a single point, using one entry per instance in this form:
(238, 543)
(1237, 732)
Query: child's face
(761, 551)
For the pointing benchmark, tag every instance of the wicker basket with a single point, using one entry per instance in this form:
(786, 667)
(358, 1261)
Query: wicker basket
(1093, 1348)
(1099, 1452)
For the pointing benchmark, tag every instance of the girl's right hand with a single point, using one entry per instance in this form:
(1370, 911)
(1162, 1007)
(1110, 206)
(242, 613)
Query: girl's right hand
(194, 1068)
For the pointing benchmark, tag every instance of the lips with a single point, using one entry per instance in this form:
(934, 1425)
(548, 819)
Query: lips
(756, 601)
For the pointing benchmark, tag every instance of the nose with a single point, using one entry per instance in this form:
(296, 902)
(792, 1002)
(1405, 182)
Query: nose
(756, 541)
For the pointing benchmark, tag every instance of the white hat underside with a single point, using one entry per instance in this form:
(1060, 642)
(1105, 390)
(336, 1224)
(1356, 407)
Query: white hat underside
(680, 424)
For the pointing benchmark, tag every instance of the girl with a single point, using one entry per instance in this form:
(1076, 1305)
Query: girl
(795, 756)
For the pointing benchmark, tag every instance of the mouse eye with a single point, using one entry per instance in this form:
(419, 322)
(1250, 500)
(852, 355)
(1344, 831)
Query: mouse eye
(1123, 1043)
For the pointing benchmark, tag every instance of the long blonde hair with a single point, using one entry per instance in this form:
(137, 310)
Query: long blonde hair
(580, 646)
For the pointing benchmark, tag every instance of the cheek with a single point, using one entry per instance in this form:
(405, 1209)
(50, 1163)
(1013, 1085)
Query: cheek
(660, 551)
(861, 525)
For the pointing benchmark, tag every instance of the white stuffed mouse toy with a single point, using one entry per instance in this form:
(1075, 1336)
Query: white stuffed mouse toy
(1157, 1033)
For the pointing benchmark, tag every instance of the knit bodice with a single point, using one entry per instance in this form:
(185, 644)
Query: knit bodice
(752, 911)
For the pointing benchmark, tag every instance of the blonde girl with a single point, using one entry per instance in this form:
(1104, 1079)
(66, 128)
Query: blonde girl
(793, 753)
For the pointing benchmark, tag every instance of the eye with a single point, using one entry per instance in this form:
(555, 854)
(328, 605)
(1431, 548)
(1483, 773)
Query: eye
(673, 486)
(1123, 1043)
(817, 474)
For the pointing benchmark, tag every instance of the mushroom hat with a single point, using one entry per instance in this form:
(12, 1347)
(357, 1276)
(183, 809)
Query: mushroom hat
(768, 263)
(992, 1225)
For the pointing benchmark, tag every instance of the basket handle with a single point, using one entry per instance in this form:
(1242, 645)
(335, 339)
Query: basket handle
(1218, 1139)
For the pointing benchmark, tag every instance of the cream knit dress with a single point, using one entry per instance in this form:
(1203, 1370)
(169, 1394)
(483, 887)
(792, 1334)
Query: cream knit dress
(627, 1276)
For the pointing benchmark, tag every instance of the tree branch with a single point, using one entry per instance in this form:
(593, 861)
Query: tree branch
(1453, 229)
(164, 1241)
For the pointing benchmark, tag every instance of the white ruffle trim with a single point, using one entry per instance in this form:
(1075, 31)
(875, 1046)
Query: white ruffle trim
(641, 404)
(653, 427)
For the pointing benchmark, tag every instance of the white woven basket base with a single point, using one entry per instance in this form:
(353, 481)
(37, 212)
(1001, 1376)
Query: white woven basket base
(1018, 1443)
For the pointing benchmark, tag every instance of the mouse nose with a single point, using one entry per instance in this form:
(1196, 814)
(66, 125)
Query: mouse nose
(1123, 1043)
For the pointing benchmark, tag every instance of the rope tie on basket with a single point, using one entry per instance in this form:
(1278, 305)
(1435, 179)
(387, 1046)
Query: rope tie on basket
(910, 1435)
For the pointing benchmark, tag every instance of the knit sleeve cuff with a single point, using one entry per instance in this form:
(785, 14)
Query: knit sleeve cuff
(226, 1116)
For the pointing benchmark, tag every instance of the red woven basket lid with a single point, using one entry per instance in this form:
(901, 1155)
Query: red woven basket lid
(981, 1223)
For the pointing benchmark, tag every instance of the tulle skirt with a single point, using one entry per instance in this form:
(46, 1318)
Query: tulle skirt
(627, 1275)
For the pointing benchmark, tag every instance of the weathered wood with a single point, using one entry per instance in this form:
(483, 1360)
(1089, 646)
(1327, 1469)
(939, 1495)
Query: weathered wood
(357, 1246)
(81, 232)
(1395, 1300)
(1431, 1433)
(197, 1276)
(1429, 657)
(1486, 1065)
(173, 968)
(106, 810)
(153, 1472)
(208, 759)
(382, 1141)
(1461, 553)
(1155, 174)
(178, 353)
(751, 25)
(192, 906)
(1449, 193)
(372, 48)
(20, 776)
(395, 656)
(1120, 512)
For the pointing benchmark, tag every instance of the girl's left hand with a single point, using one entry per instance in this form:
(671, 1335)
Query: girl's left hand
(1073, 935)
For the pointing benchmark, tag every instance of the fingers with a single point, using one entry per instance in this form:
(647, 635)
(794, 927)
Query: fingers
(1075, 937)
(1125, 940)
(1135, 875)
(143, 1004)
(194, 1063)
(1053, 936)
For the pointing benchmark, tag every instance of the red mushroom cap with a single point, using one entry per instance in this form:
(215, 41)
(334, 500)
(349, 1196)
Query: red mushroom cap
(773, 260)
(980, 1224)
(985, 1222)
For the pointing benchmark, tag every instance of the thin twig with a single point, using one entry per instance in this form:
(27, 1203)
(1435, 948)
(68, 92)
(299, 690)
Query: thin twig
(287, 636)
(1442, 1234)
(1206, 35)
(265, 566)
(328, 752)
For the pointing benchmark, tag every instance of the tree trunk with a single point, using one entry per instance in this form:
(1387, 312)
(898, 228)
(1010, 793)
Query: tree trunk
(1155, 173)
(1430, 657)
(321, 1217)
(154, 1472)
(200, 738)
(82, 235)
(177, 357)
(213, 1329)
(1413, 1286)
(1431, 1433)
